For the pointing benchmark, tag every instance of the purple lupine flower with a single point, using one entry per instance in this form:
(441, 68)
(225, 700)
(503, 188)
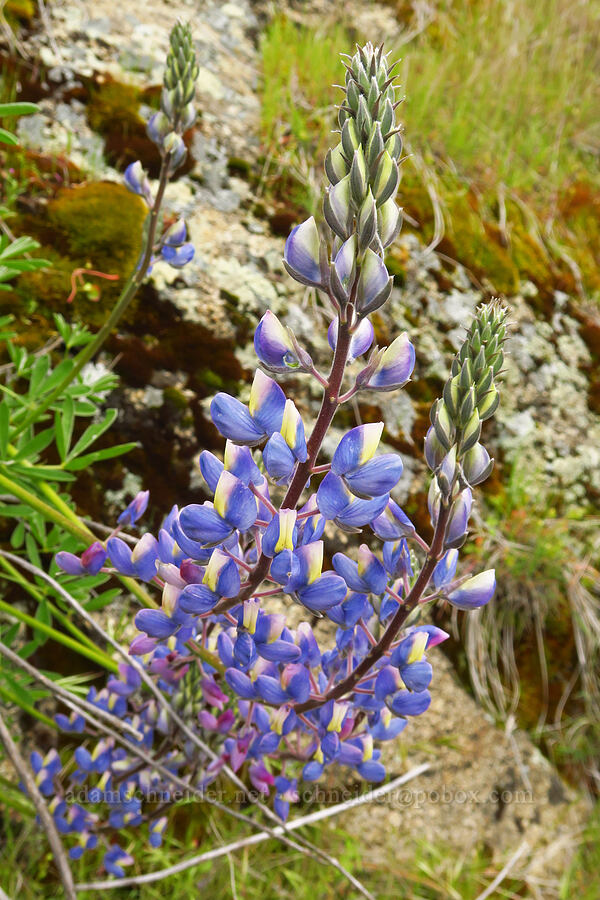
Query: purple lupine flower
(360, 341)
(262, 691)
(253, 423)
(135, 510)
(301, 256)
(140, 562)
(475, 592)
(273, 345)
(368, 575)
(364, 474)
(115, 859)
(137, 181)
(90, 563)
(177, 257)
(234, 509)
(395, 367)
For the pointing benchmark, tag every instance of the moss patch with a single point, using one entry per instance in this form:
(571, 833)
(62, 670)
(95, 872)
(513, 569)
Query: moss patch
(96, 226)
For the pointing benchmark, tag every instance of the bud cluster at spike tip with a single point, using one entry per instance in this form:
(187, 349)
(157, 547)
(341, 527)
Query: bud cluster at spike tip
(359, 204)
(470, 396)
(165, 128)
(259, 688)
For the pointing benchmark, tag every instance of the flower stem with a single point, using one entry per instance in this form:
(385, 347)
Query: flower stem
(347, 684)
(329, 406)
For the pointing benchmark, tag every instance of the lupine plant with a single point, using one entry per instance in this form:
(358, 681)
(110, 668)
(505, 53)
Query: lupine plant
(261, 659)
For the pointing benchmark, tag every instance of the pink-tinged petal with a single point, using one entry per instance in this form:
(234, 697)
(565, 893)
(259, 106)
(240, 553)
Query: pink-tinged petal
(93, 558)
(434, 634)
(296, 681)
(396, 365)
(475, 592)
(301, 256)
(267, 402)
(356, 447)
(273, 345)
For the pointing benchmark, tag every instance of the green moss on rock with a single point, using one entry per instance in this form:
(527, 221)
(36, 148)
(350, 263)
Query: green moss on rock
(97, 226)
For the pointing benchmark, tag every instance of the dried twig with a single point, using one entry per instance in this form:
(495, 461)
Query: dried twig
(78, 704)
(309, 819)
(522, 848)
(46, 819)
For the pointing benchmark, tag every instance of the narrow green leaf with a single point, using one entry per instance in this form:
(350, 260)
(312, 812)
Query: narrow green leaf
(31, 449)
(75, 465)
(102, 600)
(64, 420)
(4, 429)
(57, 374)
(18, 535)
(38, 374)
(21, 108)
(47, 473)
(6, 137)
(93, 432)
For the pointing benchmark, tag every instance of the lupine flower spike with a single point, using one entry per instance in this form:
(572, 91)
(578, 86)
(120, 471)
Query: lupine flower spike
(280, 697)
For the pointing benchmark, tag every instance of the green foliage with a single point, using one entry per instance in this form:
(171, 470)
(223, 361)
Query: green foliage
(582, 880)
(269, 871)
(299, 67)
(14, 109)
(14, 258)
(97, 226)
(34, 461)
